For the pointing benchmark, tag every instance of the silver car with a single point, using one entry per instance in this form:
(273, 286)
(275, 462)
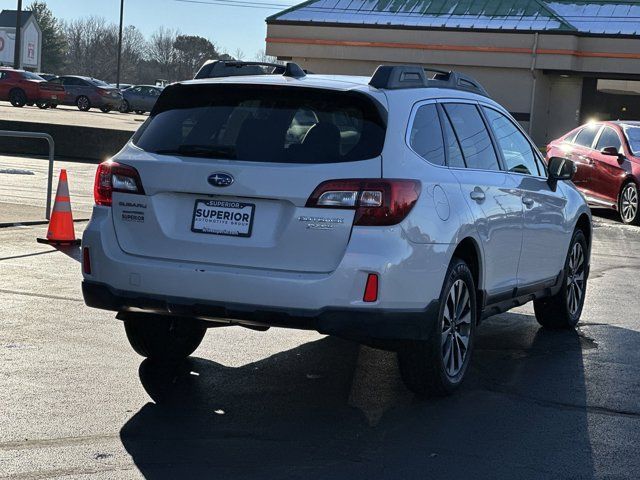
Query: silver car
(139, 98)
(397, 210)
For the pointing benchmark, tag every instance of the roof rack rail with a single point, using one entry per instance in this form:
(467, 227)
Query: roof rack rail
(394, 77)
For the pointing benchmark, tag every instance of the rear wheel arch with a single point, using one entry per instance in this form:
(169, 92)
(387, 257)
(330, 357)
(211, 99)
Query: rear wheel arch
(584, 224)
(468, 250)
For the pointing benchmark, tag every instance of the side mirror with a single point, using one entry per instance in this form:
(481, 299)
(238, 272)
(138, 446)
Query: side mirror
(612, 152)
(560, 169)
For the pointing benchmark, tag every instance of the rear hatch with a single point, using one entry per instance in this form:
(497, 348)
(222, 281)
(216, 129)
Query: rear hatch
(226, 172)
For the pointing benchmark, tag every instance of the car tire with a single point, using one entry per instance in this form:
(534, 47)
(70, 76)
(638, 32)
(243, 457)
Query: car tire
(83, 103)
(563, 310)
(163, 338)
(105, 109)
(53, 105)
(629, 204)
(42, 104)
(437, 366)
(18, 98)
(124, 107)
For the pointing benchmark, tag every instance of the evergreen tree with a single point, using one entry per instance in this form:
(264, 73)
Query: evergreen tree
(54, 42)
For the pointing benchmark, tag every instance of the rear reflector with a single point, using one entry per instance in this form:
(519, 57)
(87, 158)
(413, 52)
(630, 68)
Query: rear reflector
(86, 261)
(376, 202)
(371, 289)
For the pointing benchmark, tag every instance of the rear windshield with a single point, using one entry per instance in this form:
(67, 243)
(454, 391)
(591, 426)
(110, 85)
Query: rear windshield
(97, 83)
(264, 124)
(31, 76)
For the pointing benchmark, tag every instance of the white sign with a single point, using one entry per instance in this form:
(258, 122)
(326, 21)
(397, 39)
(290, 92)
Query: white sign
(30, 46)
(7, 45)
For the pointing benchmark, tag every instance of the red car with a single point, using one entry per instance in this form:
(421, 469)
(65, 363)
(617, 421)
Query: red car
(25, 88)
(607, 157)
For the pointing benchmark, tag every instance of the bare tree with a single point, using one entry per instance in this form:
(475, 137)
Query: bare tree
(261, 56)
(238, 54)
(161, 50)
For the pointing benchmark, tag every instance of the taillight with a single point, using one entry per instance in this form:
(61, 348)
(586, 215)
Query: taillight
(115, 177)
(104, 93)
(376, 202)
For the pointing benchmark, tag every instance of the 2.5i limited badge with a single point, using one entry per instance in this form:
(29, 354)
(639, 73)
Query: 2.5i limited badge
(321, 223)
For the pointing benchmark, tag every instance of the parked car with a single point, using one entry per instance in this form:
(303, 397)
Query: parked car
(607, 157)
(140, 98)
(122, 87)
(26, 88)
(398, 211)
(87, 92)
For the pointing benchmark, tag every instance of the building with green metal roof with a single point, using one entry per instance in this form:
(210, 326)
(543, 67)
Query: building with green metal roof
(554, 64)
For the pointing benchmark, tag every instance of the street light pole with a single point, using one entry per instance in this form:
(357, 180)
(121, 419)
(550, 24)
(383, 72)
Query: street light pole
(119, 43)
(17, 52)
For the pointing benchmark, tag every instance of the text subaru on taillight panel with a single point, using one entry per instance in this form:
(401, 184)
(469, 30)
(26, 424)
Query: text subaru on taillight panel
(396, 210)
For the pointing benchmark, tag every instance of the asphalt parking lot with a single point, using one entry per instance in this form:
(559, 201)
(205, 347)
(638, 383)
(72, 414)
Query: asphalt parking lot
(70, 115)
(77, 402)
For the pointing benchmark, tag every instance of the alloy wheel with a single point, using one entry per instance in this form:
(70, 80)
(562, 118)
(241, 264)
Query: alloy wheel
(83, 103)
(575, 278)
(629, 203)
(456, 328)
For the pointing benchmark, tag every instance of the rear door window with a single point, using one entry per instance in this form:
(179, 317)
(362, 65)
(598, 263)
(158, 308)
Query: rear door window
(587, 135)
(425, 136)
(264, 123)
(473, 136)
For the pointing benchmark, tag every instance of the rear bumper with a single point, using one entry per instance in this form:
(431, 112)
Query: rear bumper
(350, 323)
(411, 278)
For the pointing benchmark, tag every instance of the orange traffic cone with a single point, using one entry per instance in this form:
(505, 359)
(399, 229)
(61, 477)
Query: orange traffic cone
(61, 230)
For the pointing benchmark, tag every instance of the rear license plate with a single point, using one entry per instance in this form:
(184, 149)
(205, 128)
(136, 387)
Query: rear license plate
(219, 217)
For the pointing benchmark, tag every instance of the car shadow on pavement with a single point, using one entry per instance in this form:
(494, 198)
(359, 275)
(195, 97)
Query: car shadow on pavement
(300, 414)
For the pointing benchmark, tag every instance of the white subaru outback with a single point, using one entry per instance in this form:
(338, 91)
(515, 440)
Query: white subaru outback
(397, 210)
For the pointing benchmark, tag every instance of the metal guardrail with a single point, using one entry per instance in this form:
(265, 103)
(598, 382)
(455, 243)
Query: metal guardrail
(49, 139)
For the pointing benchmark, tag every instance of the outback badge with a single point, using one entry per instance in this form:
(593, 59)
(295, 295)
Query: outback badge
(220, 179)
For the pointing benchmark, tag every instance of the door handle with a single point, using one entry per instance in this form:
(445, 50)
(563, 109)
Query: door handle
(528, 201)
(477, 194)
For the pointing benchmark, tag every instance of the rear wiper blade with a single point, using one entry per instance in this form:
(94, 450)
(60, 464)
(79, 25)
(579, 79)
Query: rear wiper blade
(199, 151)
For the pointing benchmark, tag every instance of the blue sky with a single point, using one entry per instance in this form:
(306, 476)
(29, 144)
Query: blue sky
(228, 27)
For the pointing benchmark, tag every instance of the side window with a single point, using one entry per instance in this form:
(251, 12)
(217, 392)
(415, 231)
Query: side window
(425, 137)
(609, 138)
(516, 149)
(473, 136)
(586, 136)
(2, 75)
(57, 81)
(138, 89)
(571, 137)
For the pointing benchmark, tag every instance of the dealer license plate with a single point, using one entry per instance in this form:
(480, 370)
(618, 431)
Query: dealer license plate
(223, 218)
